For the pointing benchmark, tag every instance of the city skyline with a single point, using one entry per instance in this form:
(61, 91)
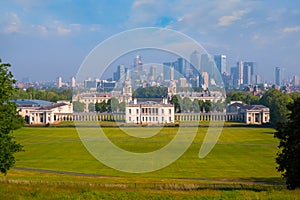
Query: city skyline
(44, 40)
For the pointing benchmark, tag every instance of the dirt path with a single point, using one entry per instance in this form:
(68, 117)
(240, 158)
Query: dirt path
(241, 181)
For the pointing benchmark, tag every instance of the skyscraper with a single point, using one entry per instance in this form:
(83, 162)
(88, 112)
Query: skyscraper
(195, 60)
(296, 80)
(237, 74)
(278, 76)
(180, 67)
(246, 74)
(73, 82)
(253, 66)
(220, 61)
(59, 82)
(119, 75)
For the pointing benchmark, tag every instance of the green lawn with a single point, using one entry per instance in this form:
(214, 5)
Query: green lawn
(240, 153)
(241, 157)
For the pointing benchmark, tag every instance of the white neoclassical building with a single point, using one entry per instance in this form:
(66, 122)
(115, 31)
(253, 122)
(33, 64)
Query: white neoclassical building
(149, 112)
(44, 112)
(252, 114)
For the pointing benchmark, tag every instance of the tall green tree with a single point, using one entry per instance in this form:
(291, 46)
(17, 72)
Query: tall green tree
(78, 106)
(288, 157)
(187, 104)
(122, 106)
(207, 106)
(277, 102)
(112, 105)
(91, 107)
(101, 107)
(9, 119)
(195, 106)
(177, 102)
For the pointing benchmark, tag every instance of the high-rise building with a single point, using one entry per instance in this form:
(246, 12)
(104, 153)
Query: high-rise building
(152, 75)
(240, 71)
(73, 82)
(205, 80)
(246, 74)
(180, 67)
(237, 74)
(296, 80)
(195, 60)
(220, 61)
(59, 82)
(166, 70)
(278, 76)
(119, 75)
(253, 66)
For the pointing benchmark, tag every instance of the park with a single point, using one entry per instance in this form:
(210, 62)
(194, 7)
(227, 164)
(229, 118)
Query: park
(56, 165)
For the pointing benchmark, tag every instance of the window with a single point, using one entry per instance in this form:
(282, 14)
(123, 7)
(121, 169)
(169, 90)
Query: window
(137, 111)
(130, 119)
(162, 119)
(162, 111)
(170, 119)
(129, 111)
(170, 111)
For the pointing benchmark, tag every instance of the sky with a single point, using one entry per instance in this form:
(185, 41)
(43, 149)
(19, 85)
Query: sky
(44, 39)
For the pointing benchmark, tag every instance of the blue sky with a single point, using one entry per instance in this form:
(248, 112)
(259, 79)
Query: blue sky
(43, 39)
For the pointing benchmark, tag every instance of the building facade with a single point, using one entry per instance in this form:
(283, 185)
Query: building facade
(43, 112)
(251, 114)
(149, 112)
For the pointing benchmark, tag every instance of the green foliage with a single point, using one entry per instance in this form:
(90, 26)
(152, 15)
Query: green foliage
(288, 158)
(277, 102)
(52, 95)
(122, 106)
(186, 104)
(78, 106)
(112, 105)
(219, 106)
(207, 105)
(91, 107)
(101, 107)
(150, 92)
(9, 120)
(177, 102)
(242, 96)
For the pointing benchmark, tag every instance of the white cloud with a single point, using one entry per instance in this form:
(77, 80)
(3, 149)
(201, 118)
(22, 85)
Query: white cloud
(13, 23)
(229, 19)
(291, 29)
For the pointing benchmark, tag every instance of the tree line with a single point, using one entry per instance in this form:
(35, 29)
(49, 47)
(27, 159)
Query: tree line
(52, 94)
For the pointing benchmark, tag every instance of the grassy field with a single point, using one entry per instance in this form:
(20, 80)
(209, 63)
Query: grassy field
(242, 163)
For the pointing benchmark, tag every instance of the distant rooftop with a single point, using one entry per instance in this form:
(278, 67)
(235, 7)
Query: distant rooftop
(32, 103)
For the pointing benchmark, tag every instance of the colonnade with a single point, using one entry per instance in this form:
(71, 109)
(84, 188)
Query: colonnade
(232, 117)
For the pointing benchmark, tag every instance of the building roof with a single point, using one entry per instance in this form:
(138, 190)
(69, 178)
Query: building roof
(248, 107)
(31, 102)
(52, 106)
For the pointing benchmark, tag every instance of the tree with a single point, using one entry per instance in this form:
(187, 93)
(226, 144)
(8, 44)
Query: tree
(101, 107)
(9, 119)
(277, 102)
(186, 104)
(112, 105)
(288, 157)
(195, 106)
(122, 106)
(78, 106)
(91, 107)
(207, 106)
(177, 102)
(218, 106)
